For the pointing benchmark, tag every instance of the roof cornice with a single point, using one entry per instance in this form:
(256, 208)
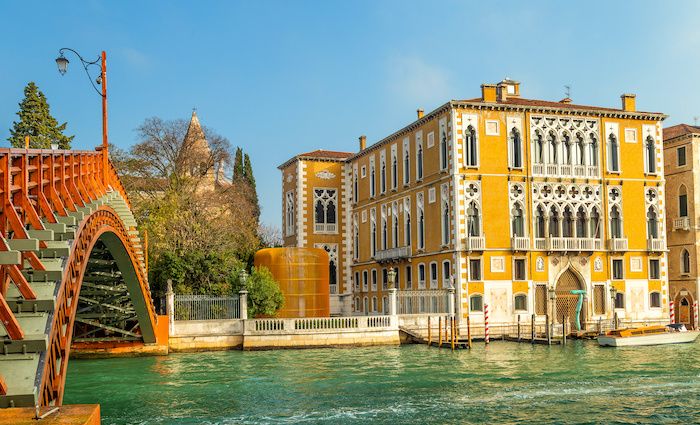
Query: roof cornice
(607, 113)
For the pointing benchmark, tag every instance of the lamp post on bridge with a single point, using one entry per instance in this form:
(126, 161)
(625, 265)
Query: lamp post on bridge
(101, 62)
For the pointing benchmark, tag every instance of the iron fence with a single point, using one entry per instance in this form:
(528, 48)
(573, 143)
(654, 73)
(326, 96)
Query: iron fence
(205, 307)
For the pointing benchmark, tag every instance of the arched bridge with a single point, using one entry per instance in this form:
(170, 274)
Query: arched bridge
(72, 268)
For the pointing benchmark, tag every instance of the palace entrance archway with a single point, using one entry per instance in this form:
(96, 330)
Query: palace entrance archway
(565, 304)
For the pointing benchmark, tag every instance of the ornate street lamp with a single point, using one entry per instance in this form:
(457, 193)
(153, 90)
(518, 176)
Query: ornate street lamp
(243, 276)
(101, 62)
(613, 295)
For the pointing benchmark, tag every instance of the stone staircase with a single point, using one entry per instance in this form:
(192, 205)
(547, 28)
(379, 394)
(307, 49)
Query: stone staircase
(22, 361)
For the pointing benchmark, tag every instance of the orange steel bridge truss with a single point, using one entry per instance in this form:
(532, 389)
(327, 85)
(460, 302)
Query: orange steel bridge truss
(56, 206)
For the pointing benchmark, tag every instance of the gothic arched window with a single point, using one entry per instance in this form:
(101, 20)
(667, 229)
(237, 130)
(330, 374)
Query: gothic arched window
(471, 149)
(652, 224)
(615, 223)
(517, 221)
(613, 154)
(473, 220)
(650, 150)
(516, 149)
(540, 223)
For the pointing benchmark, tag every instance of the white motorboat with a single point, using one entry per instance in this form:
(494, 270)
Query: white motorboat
(648, 335)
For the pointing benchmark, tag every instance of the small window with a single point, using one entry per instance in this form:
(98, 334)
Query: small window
(680, 155)
(374, 279)
(363, 171)
(519, 272)
(655, 300)
(520, 302)
(685, 262)
(654, 269)
(409, 277)
(476, 303)
(357, 281)
(385, 278)
(365, 283)
(618, 267)
(421, 276)
(475, 269)
(433, 275)
(374, 304)
(446, 274)
(619, 300)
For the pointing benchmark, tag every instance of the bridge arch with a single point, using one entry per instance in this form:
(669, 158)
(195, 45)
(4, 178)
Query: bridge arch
(61, 208)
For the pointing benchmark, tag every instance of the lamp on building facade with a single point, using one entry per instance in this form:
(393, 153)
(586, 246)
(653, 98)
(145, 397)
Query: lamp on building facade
(391, 277)
(101, 62)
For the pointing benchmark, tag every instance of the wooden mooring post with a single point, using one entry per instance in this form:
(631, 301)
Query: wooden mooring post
(469, 332)
(429, 333)
(518, 328)
(548, 330)
(563, 330)
(452, 332)
(532, 329)
(440, 331)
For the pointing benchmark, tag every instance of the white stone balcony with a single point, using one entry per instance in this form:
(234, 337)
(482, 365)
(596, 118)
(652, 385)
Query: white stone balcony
(656, 245)
(393, 254)
(565, 170)
(617, 244)
(325, 228)
(681, 223)
(568, 244)
(474, 243)
(519, 243)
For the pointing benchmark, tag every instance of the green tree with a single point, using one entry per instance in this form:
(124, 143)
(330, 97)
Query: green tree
(265, 297)
(238, 170)
(36, 121)
(250, 180)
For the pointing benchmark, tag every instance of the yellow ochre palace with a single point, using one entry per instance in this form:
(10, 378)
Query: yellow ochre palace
(513, 202)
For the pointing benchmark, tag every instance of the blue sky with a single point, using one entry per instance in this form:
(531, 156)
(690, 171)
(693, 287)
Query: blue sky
(284, 77)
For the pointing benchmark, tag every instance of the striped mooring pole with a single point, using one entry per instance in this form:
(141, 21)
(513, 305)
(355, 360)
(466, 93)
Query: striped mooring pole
(672, 312)
(486, 323)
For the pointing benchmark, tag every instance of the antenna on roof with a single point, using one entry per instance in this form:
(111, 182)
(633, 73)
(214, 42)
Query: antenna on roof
(567, 92)
(695, 120)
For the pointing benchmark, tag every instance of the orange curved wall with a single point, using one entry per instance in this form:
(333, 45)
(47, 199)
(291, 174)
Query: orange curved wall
(302, 274)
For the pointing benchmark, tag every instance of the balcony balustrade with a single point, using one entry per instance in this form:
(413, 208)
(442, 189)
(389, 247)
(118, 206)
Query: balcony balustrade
(565, 170)
(325, 228)
(656, 245)
(474, 243)
(681, 223)
(567, 244)
(617, 244)
(519, 243)
(393, 254)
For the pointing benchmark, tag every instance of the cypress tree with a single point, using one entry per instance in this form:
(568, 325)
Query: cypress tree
(36, 121)
(250, 180)
(238, 170)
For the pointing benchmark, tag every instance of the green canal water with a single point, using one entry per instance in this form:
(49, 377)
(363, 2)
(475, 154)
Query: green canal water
(505, 383)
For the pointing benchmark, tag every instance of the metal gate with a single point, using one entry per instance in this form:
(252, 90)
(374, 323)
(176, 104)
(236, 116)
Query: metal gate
(566, 301)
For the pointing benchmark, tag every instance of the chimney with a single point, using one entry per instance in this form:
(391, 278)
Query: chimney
(629, 103)
(502, 91)
(420, 113)
(488, 93)
(566, 100)
(363, 142)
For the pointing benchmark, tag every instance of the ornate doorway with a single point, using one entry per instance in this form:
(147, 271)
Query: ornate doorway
(684, 312)
(565, 308)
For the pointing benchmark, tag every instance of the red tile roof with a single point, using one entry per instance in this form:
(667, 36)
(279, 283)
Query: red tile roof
(319, 154)
(323, 154)
(680, 130)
